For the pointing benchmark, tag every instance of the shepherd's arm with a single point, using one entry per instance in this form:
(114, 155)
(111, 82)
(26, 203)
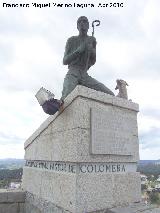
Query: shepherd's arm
(92, 60)
(69, 56)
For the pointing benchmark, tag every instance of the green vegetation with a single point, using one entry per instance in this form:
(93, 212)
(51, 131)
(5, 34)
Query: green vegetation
(152, 184)
(155, 197)
(2, 166)
(10, 171)
(149, 189)
(149, 169)
(143, 187)
(4, 184)
(6, 174)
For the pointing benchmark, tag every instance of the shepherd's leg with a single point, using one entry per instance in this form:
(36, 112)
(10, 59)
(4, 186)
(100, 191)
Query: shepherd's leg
(70, 82)
(96, 85)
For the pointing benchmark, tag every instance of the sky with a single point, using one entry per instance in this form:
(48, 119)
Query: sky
(32, 42)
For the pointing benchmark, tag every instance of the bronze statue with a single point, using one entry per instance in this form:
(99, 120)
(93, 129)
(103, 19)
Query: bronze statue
(80, 55)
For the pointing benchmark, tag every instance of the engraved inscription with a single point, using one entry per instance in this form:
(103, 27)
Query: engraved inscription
(90, 168)
(82, 167)
(54, 166)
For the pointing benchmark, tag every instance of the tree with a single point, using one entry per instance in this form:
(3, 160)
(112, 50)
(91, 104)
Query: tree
(154, 197)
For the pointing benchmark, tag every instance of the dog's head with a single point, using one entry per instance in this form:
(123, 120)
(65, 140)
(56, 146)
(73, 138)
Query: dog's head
(120, 82)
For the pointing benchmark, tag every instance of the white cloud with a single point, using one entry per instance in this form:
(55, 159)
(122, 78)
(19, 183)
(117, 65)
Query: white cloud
(12, 151)
(149, 153)
(150, 19)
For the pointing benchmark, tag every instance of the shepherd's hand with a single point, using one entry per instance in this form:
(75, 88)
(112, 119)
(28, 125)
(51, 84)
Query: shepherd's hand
(81, 48)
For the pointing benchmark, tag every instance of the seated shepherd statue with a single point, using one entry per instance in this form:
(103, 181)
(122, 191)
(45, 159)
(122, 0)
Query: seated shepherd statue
(80, 55)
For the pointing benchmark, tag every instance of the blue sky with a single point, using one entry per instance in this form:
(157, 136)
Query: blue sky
(32, 42)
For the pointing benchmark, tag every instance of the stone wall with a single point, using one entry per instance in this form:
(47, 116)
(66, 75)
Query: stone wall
(12, 201)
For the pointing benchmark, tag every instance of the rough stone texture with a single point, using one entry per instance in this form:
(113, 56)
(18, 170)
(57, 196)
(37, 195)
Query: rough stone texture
(9, 208)
(15, 196)
(104, 191)
(59, 188)
(114, 131)
(66, 137)
(35, 204)
(3, 196)
(78, 193)
(22, 208)
(12, 201)
(136, 208)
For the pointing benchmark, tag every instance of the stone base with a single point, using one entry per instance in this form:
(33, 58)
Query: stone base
(17, 201)
(35, 204)
(84, 159)
(83, 192)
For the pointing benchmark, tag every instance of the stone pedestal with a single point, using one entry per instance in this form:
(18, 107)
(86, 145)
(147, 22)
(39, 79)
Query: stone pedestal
(84, 158)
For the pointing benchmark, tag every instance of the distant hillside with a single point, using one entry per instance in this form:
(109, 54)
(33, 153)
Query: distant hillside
(144, 162)
(11, 163)
(149, 167)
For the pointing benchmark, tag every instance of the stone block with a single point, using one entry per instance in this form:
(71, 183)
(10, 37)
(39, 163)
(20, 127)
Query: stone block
(35, 204)
(84, 190)
(113, 131)
(29, 208)
(109, 190)
(21, 207)
(56, 187)
(32, 180)
(84, 159)
(74, 146)
(89, 96)
(12, 196)
(15, 196)
(3, 196)
(9, 208)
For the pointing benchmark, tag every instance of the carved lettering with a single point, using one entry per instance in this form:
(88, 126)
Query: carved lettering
(82, 167)
(72, 169)
(83, 170)
(123, 168)
(90, 168)
(118, 168)
(108, 168)
(101, 168)
(52, 166)
(113, 168)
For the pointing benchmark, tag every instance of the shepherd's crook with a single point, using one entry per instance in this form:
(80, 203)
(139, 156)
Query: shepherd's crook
(98, 23)
(87, 62)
